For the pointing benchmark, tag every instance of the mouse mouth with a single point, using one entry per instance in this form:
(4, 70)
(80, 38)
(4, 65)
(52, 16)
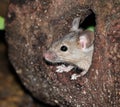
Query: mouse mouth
(51, 60)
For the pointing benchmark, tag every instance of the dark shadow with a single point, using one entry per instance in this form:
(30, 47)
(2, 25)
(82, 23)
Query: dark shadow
(90, 20)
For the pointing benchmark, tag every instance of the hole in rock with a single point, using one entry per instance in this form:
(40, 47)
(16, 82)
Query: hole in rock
(89, 21)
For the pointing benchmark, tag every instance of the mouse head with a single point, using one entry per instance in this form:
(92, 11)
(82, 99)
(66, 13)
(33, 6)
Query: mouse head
(72, 47)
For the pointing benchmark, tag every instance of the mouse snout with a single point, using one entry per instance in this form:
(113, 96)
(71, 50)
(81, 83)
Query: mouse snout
(50, 56)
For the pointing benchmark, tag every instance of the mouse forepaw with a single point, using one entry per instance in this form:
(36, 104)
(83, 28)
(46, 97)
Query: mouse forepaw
(63, 68)
(75, 76)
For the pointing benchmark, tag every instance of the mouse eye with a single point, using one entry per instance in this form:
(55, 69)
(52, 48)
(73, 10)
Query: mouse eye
(63, 48)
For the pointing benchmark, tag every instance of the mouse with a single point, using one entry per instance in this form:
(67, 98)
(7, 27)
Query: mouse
(75, 48)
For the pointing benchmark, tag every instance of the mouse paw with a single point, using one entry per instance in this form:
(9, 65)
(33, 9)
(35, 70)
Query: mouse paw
(75, 76)
(63, 68)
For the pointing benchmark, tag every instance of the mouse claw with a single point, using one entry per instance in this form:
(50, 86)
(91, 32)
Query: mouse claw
(75, 76)
(60, 68)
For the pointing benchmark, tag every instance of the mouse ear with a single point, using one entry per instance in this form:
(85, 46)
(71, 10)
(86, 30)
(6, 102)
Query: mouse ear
(75, 24)
(86, 39)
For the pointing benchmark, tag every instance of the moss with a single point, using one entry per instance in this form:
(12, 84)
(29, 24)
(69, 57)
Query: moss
(2, 23)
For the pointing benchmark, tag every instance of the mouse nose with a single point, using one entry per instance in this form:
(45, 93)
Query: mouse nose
(50, 56)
